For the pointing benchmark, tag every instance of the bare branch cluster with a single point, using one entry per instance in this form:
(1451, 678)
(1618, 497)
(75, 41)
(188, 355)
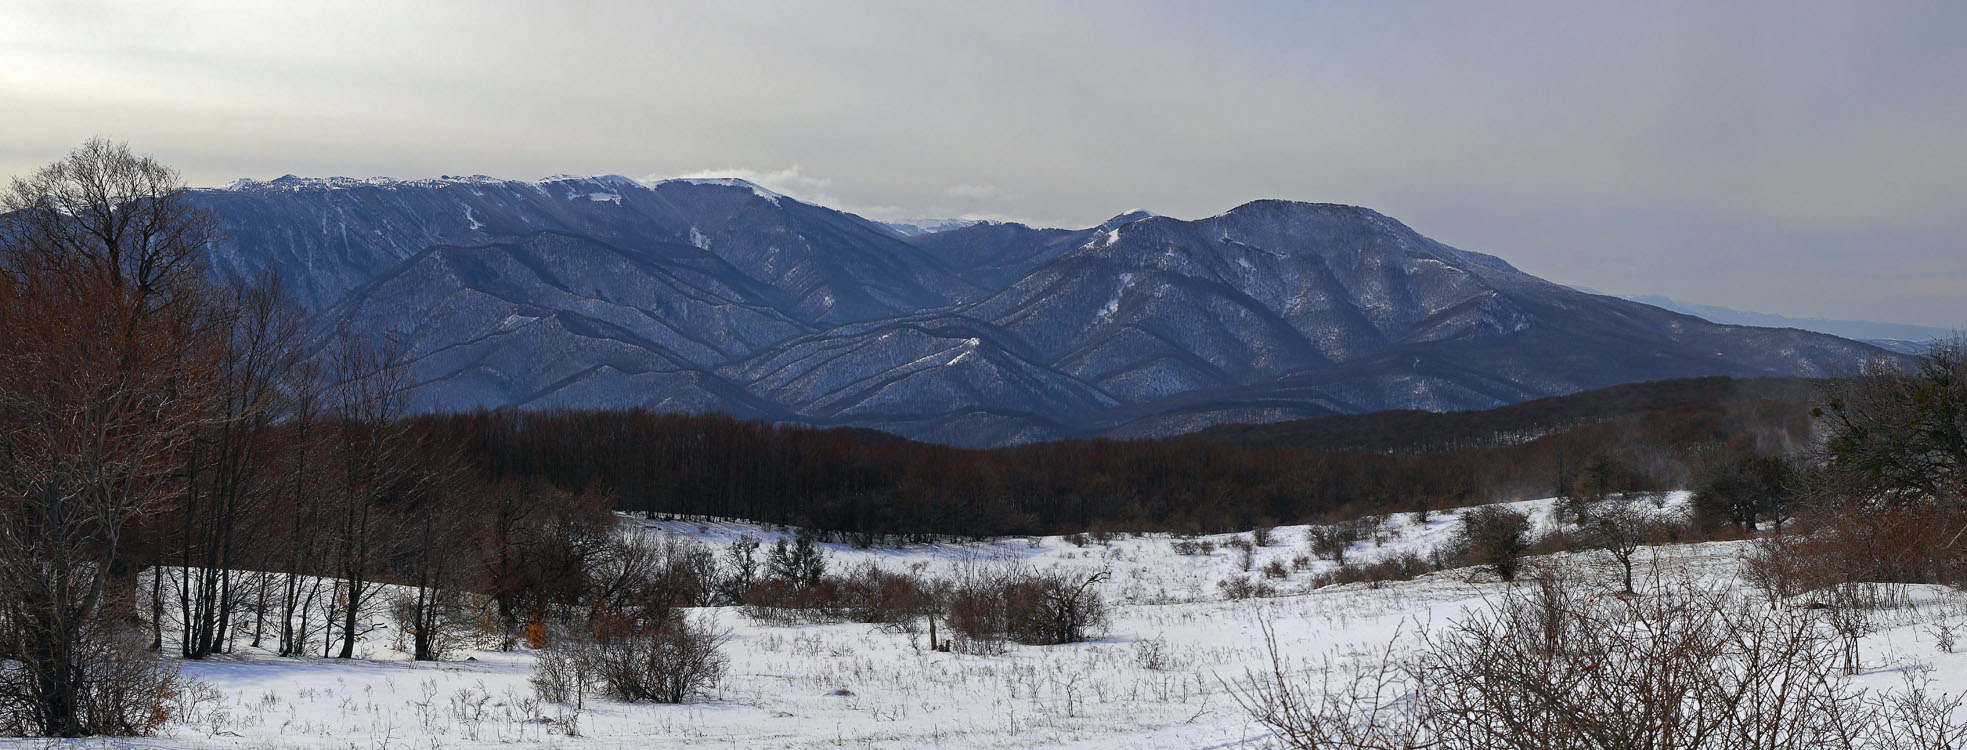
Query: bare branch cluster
(1684, 666)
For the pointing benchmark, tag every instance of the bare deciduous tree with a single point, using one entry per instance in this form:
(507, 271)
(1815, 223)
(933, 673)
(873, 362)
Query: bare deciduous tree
(107, 362)
(1620, 525)
(373, 466)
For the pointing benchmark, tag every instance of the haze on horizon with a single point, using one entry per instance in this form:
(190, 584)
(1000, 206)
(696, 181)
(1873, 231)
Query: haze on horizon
(1799, 158)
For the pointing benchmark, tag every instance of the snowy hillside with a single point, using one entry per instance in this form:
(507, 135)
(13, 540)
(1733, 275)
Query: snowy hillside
(1156, 678)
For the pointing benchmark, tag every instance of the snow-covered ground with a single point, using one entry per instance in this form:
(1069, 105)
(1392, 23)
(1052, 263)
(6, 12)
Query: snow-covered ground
(1156, 679)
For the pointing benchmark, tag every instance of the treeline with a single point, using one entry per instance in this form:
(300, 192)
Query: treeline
(872, 487)
(1433, 432)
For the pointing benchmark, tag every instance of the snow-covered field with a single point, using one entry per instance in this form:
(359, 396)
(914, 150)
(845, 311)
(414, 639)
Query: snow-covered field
(1156, 679)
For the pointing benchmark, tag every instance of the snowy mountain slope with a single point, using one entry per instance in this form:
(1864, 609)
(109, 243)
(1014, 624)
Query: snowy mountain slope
(327, 236)
(720, 295)
(506, 322)
(992, 254)
(1280, 310)
(886, 370)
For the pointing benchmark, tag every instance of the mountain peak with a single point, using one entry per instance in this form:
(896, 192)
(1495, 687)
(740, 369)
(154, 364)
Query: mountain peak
(734, 182)
(1280, 205)
(1124, 218)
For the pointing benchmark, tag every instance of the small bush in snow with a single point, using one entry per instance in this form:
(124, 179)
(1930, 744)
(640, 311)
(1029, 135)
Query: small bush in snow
(1193, 547)
(1238, 587)
(1263, 536)
(119, 686)
(866, 594)
(1246, 552)
(1030, 608)
(1331, 542)
(1495, 536)
(1401, 567)
(564, 672)
(665, 659)
(1944, 637)
(1276, 569)
(1153, 654)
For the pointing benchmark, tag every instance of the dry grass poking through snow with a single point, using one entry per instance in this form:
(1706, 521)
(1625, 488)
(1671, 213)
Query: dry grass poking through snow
(1155, 678)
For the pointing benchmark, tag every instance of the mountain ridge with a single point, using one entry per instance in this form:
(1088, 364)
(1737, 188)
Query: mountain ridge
(720, 295)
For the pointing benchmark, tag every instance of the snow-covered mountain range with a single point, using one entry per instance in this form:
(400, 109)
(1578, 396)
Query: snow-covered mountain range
(719, 295)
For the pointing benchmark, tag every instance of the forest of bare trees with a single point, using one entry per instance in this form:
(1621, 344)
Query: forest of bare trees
(872, 487)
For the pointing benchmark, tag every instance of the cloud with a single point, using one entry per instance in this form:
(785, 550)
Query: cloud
(979, 193)
(789, 181)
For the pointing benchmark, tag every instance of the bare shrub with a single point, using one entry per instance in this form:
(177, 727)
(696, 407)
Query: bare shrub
(1105, 532)
(635, 570)
(1914, 717)
(1685, 666)
(565, 672)
(865, 594)
(1238, 587)
(667, 658)
(1944, 636)
(781, 602)
(1193, 547)
(1331, 542)
(1056, 607)
(121, 688)
(1376, 527)
(1775, 566)
(977, 616)
(1263, 535)
(1030, 608)
(1275, 570)
(1152, 654)
(1405, 566)
(1494, 536)
(1246, 553)
(1853, 544)
(1337, 708)
(871, 594)
(1552, 664)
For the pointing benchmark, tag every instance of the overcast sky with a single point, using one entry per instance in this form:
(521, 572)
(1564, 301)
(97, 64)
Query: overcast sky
(1789, 157)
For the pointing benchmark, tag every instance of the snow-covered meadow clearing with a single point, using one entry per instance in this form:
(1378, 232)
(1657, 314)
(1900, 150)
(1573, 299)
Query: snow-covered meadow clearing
(1156, 678)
